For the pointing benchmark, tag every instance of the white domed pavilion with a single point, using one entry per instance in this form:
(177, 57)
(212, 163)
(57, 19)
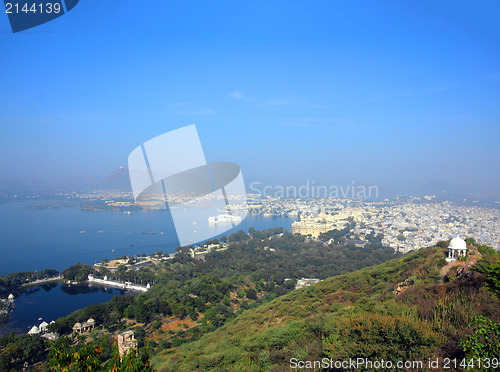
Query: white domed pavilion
(34, 331)
(456, 249)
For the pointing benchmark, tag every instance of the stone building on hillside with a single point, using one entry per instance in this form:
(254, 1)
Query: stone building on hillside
(126, 341)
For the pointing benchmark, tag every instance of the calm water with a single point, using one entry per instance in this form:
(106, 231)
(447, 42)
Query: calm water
(36, 239)
(51, 301)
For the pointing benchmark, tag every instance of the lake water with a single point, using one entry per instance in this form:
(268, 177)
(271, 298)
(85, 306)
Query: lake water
(51, 301)
(37, 239)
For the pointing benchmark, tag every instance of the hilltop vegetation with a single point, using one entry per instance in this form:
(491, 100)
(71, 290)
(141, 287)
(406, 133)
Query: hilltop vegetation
(212, 291)
(191, 298)
(400, 310)
(238, 310)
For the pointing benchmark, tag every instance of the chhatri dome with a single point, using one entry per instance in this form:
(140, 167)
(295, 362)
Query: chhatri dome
(457, 248)
(457, 243)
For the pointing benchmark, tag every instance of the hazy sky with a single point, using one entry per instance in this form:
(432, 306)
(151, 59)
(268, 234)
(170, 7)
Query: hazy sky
(393, 93)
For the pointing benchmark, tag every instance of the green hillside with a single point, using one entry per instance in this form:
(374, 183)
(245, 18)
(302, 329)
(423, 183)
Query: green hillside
(405, 309)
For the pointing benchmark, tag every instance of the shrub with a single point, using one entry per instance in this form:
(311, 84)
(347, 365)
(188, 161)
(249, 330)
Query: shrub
(484, 341)
(493, 278)
(375, 336)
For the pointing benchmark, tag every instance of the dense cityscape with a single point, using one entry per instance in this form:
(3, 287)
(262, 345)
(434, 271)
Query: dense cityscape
(407, 225)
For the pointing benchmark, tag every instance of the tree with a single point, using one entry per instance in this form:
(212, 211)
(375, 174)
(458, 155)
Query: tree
(78, 272)
(29, 349)
(493, 278)
(183, 254)
(120, 272)
(49, 272)
(141, 311)
(443, 244)
(470, 240)
(129, 312)
(251, 293)
(90, 357)
(214, 241)
(62, 325)
(484, 341)
(238, 236)
(140, 335)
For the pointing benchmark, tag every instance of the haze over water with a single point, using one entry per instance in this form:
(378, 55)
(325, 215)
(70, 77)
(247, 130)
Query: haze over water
(37, 239)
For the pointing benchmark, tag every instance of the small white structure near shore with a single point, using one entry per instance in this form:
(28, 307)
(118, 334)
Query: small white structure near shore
(456, 249)
(112, 283)
(34, 330)
(42, 330)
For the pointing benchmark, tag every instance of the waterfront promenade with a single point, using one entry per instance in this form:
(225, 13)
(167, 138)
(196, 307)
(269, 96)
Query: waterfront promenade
(122, 285)
(41, 281)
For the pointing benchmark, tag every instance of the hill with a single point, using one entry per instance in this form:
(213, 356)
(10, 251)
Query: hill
(407, 309)
(118, 180)
(441, 188)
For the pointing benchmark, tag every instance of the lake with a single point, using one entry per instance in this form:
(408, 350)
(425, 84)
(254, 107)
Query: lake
(51, 301)
(37, 239)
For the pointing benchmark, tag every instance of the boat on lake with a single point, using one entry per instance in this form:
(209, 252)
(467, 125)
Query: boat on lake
(224, 219)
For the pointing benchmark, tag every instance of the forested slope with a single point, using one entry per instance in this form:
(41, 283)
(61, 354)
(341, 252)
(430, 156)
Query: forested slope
(399, 310)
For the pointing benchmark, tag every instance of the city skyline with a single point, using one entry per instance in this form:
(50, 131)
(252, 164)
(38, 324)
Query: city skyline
(391, 94)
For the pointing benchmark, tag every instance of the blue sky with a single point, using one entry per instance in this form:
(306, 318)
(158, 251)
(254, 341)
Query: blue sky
(393, 93)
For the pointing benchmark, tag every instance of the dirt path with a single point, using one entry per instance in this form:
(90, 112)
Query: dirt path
(446, 268)
(472, 259)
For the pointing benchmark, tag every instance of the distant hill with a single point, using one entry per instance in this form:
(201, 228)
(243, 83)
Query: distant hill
(440, 188)
(13, 186)
(403, 309)
(118, 180)
(457, 194)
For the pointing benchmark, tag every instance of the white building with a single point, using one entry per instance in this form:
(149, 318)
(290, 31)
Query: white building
(42, 330)
(34, 331)
(43, 327)
(456, 249)
(304, 282)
